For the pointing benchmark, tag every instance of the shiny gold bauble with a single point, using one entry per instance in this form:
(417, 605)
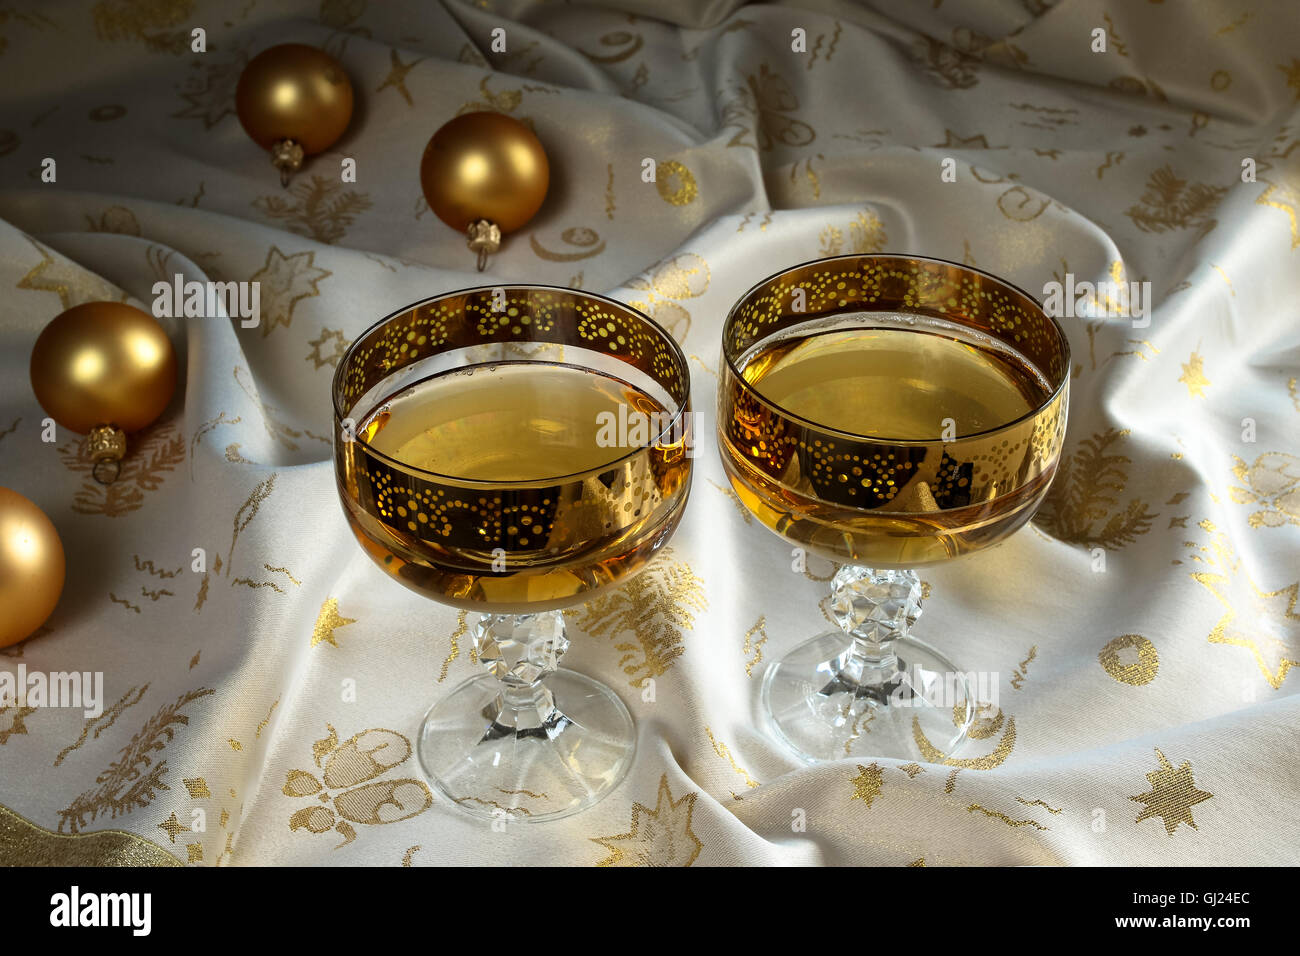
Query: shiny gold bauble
(294, 92)
(31, 567)
(103, 363)
(484, 166)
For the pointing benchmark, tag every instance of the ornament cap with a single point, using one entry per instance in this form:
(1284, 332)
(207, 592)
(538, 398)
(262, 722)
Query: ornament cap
(484, 238)
(105, 447)
(287, 156)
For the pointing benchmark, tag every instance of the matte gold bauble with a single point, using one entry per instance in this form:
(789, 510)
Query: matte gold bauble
(31, 567)
(102, 369)
(294, 100)
(484, 174)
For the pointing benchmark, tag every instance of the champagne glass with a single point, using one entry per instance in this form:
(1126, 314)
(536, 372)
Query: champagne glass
(887, 413)
(512, 451)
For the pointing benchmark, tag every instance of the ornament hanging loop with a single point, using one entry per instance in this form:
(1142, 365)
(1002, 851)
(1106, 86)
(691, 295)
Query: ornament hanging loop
(484, 238)
(106, 471)
(286, 156)
(105, 447)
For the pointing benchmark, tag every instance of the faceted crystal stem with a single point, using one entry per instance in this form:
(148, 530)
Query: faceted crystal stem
(876, 609)
(869, 688)
(521, 651)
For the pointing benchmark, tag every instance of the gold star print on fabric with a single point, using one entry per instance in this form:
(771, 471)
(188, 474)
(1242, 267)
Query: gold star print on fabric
(211, 95)
(285, 281)
(1265, 623)
(1292, 72)
(328, 349)
(73, 284)
(867, 784)
(327, 621)
(1194, 375)
(1172, 795)
(397, 76)
(1284, 196)
(659, 837)
(173, 827)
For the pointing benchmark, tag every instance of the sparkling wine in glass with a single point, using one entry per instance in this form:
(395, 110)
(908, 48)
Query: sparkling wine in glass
(514, 451)
(886, 413)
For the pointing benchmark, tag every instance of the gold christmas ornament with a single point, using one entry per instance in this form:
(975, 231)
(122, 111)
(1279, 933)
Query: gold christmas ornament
(103, 369)
(31, 567)
(295, 101)
(484, 174)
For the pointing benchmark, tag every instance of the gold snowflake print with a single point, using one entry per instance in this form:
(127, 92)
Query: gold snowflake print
(659, 837)
(1172, 795)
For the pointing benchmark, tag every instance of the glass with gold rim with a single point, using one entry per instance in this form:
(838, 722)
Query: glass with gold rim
(886, 412)
(514, 450)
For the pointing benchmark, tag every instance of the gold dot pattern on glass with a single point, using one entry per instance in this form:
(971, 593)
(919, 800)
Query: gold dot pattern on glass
(504, 314)
(881, 474)
(898, 284)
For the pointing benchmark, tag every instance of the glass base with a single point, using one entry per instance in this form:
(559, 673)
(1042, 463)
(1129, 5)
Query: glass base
(530, 754)
(817, 703)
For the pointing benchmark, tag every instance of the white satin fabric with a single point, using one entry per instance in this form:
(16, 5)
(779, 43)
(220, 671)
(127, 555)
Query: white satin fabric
(1145, 711)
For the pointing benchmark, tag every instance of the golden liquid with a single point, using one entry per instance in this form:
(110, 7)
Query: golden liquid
(892, 383)
(519, 516)
(909, 497)
(506, 422)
